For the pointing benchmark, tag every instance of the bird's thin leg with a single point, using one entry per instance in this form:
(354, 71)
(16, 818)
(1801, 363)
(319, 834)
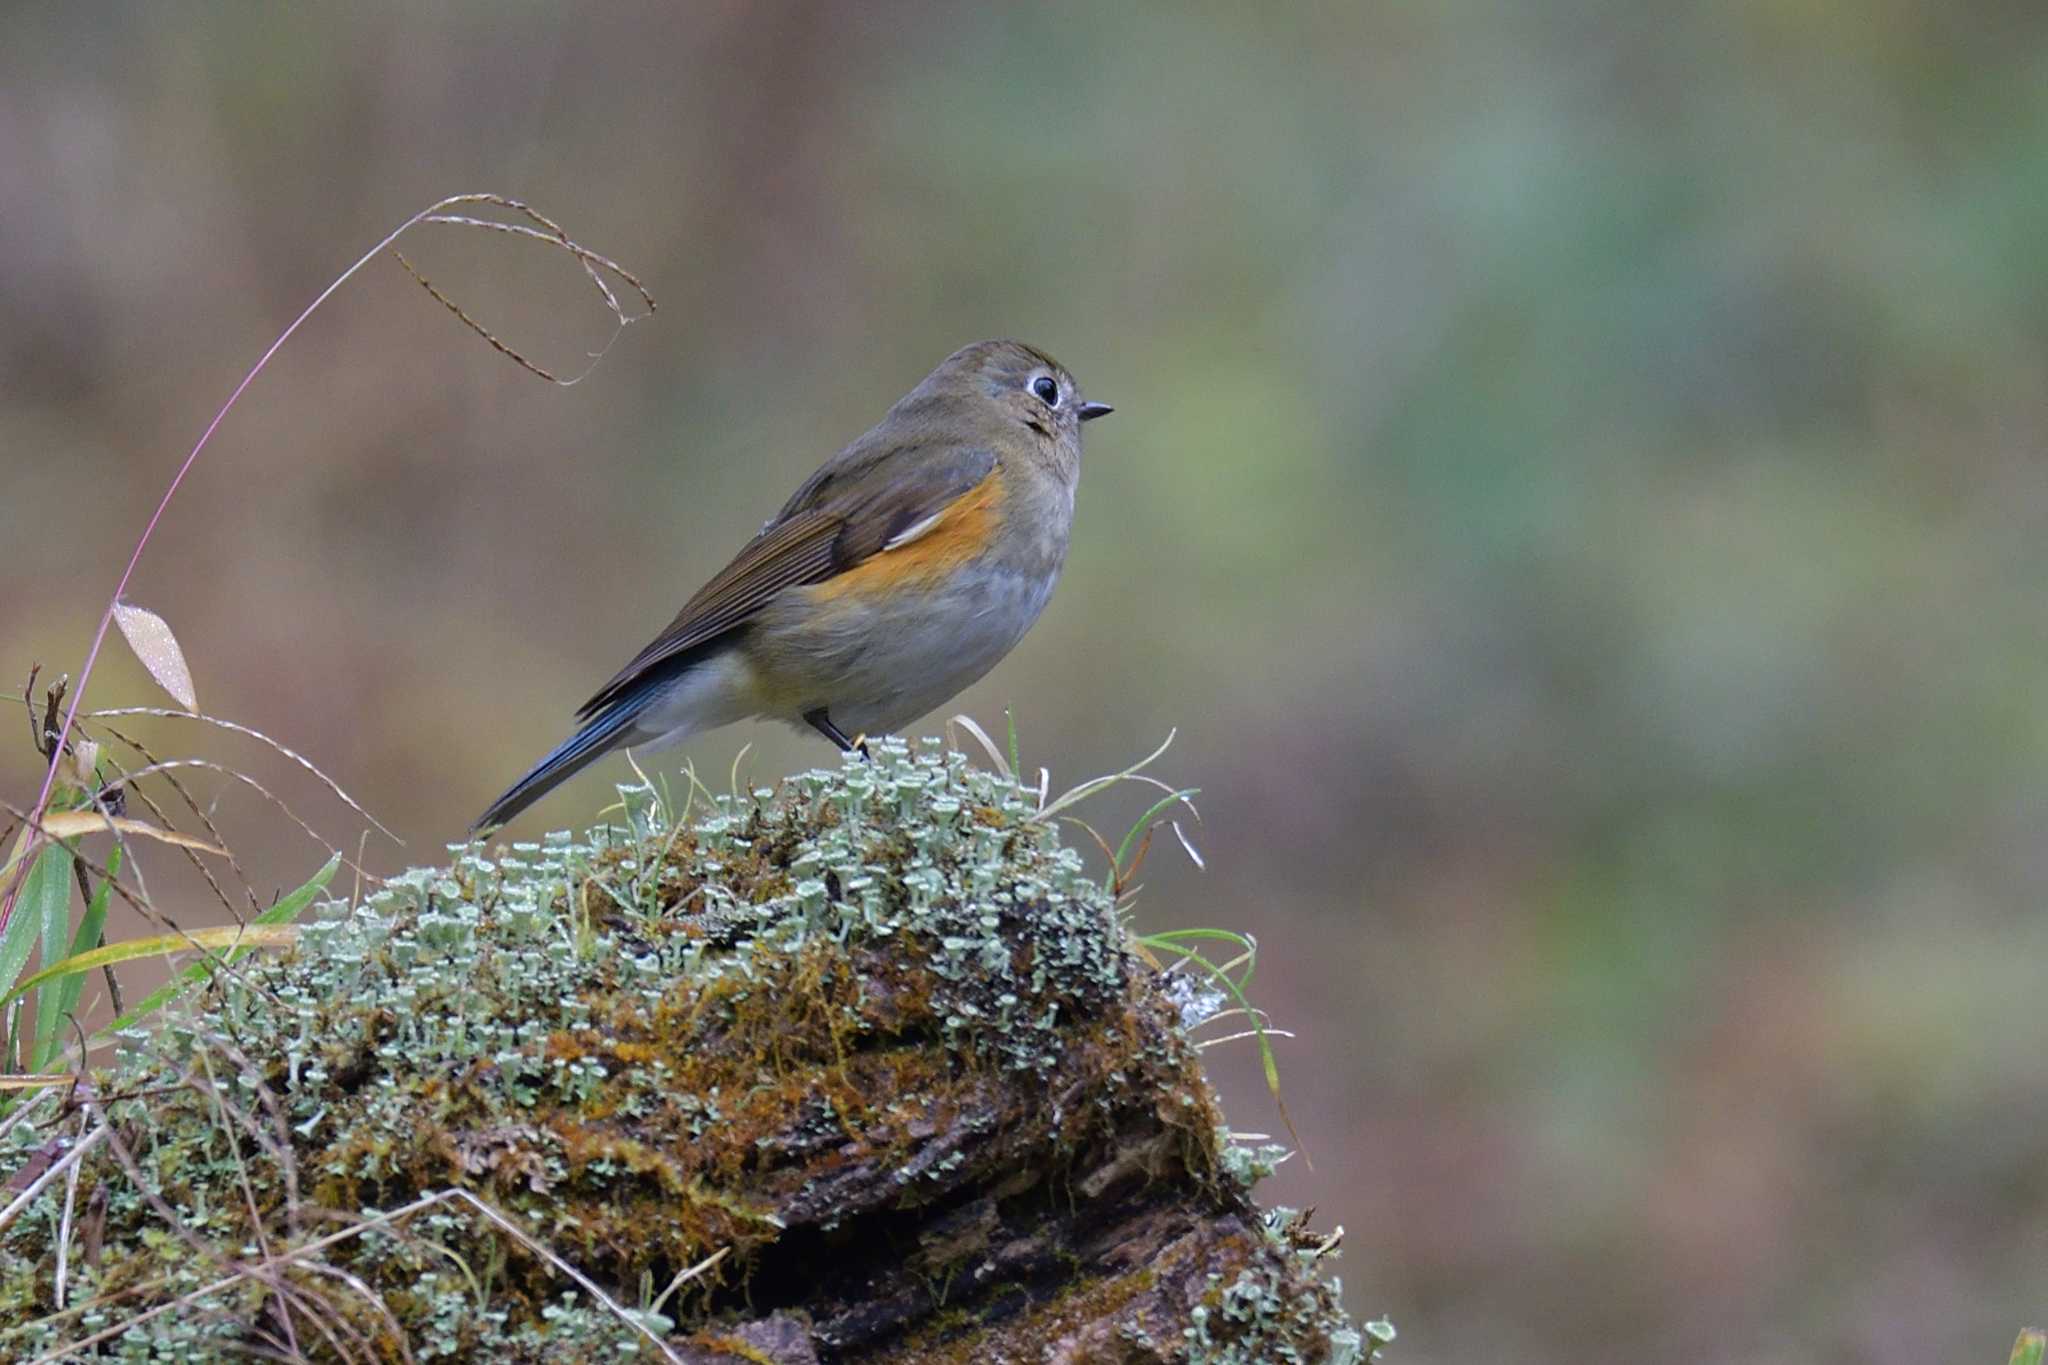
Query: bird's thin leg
(821, 722)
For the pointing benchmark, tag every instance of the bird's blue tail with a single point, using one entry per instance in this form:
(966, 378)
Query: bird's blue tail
(602, 734)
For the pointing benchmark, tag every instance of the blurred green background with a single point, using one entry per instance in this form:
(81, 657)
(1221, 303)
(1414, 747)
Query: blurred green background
(1578, 485)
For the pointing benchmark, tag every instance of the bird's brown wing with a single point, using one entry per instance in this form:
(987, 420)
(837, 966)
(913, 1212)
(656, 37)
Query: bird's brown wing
(852, 521)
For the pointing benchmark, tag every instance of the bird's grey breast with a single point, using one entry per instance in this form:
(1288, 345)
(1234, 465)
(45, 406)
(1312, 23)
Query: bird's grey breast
(920, 649)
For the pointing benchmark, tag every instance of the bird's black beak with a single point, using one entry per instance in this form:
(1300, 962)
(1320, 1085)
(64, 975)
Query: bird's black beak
(1088, 412)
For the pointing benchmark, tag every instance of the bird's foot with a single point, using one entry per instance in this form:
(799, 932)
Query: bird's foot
(820, 721)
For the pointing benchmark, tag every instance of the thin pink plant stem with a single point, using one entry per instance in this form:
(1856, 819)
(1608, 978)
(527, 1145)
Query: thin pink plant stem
(35, 821)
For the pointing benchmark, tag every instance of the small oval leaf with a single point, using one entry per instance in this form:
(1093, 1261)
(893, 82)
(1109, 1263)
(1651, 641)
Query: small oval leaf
(153, 643)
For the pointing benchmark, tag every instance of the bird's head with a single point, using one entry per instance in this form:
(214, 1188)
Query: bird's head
(1011, 389)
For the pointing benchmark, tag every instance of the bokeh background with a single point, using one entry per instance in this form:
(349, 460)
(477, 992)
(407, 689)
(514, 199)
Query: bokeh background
(1578, 487)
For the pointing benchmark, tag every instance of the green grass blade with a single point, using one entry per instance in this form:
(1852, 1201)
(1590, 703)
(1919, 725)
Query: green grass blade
(61, 996)
(2029, 1349)
(94, 925)
(41, 911)
(1177, 941)
(1185, 796)
(1144, 821)
(235, 940)
(48, 881)
(283, 912)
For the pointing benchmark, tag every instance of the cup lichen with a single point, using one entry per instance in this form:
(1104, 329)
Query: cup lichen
(876, 1034)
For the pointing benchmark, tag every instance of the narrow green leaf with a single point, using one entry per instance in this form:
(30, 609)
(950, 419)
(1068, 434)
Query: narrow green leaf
(44, 893)
(1117, 871)
(67, 988)
(54, 910)
(283, 912)
(49, 878)
(1145, 820)
(2028, 1350)
(235, 939)
(1176, 941)
(1169, 937)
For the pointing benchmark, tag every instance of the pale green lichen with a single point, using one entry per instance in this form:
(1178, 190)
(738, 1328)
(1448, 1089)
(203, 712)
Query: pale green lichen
(632, 1043)
(1265, 1315)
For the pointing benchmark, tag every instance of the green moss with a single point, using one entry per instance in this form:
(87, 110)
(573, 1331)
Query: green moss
(642, 1047)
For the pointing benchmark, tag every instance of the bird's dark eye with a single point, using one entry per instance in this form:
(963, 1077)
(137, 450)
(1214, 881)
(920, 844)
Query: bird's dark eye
(1047, 391)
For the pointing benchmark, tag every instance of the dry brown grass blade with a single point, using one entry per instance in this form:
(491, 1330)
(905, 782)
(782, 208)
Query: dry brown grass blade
(134, 901)
(367, 1295)
(550, 231)
(199, 813)
(73, 824)
(548, 1254)
(21, 1113)
(687, 1274)
(56, 1169)
(230, 1116)
(319, 1244)
(1108, 853)
(1242, 1034)
(996, 758)
(278, 1144)
(593, 265)
(544, 229)
(37, 1080)
(221, 1108)
(139, 899)
(264, 1271)
(252, 733)
(288, 1348)
(171, 764)
(64, 1225)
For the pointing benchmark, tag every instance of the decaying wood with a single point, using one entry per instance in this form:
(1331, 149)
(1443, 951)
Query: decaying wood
(867, 1070)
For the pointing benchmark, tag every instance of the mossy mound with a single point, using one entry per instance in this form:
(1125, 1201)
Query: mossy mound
(875, 1036)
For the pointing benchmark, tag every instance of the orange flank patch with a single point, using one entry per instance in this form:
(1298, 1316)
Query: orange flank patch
(962, 533)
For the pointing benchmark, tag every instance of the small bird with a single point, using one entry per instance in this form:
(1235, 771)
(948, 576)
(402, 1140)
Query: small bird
(901, 571)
